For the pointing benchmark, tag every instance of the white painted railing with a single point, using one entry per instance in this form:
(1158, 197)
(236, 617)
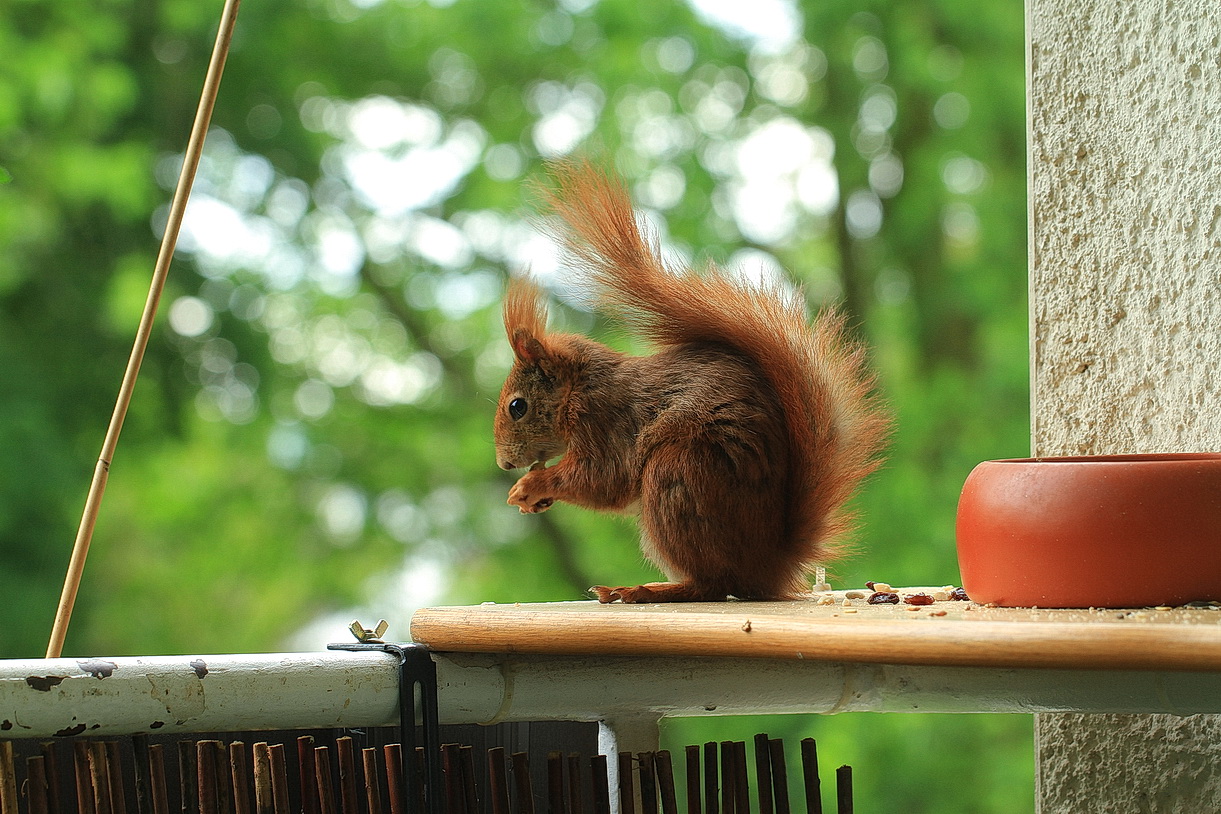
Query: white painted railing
(43, 698)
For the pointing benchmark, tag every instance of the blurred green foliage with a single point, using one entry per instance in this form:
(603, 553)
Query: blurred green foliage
(310, 437)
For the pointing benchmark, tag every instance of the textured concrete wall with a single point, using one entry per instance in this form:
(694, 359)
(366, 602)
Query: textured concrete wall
(1125, 185)
(1128, 764)
(1125, 230)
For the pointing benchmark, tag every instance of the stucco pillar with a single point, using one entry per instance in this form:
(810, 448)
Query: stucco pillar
(1125, 253)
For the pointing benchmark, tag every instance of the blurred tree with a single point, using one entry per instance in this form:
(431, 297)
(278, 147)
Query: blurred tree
(311, 434)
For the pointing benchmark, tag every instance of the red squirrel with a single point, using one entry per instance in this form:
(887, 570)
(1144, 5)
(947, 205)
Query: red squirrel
(738, 442)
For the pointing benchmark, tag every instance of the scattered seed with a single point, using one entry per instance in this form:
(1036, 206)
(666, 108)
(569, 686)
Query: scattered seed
(857, 594)
(959, 595)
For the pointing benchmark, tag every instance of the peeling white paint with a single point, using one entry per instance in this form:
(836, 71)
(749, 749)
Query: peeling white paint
(169, 693)
(342, 689)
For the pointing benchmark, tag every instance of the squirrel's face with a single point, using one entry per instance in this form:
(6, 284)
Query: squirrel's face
(525, 427)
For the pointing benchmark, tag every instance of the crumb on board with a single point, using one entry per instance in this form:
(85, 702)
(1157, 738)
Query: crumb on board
(939, 599)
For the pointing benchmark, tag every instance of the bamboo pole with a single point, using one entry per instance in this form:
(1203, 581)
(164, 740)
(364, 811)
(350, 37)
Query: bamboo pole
(307, 775)
(454, 799)
(466, 762)
(84, 790)
(729, 792)
(627, 785)
(99, 777)
(36, 788)
(741, 781)
(843, 790)
(397, 795)
(601, 784)
(324, 783)
(763, 773)
(239, 775)
(224, 779)
(93, 500)
(693, 780)
(346, 755)
(156, 777)
(8, 779)
(498, 781)
(665, 782)
(279, 779)
(574, 784)
(52, 770)
(711, 799)
(373, 789)
(187, 778)
(521, 781)
(809, 773)
(780, 776)
(555, 783)
(263, 794)
(141, 764)
(646, 773)
(205, 775)
(114, 771)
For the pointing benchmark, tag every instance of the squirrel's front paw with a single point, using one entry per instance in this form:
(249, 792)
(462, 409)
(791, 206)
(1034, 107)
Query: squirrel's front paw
(526, 496)
(604, 594)
(627, 594)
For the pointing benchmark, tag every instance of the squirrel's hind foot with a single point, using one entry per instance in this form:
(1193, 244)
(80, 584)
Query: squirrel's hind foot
(656, 592)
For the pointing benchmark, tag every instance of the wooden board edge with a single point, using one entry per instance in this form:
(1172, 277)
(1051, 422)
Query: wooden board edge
(1137, 646)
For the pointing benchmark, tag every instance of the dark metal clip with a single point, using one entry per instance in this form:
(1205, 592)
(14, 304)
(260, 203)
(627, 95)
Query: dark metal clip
(416, 670)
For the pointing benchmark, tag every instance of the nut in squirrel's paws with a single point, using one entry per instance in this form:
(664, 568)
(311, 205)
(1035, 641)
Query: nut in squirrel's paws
(526, 496)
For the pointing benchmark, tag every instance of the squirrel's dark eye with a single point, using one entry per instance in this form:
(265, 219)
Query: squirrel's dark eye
(517, 408)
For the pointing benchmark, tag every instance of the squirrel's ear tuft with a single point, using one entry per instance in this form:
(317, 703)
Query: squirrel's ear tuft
(526, 347)
(525, 316)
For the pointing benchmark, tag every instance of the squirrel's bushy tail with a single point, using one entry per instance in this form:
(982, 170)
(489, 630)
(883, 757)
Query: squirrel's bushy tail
(836, 424)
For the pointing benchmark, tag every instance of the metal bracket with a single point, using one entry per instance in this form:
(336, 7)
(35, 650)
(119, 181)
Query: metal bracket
(416, 669)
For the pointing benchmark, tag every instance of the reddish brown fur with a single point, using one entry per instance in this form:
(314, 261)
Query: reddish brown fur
(740, 440)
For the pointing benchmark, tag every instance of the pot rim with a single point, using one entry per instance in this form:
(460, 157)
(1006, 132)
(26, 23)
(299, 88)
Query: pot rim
(1121, 458)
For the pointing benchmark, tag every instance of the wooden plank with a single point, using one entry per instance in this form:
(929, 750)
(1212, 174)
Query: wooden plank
(967, 635)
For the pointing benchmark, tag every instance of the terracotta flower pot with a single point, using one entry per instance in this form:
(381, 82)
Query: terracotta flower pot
(1102, 531)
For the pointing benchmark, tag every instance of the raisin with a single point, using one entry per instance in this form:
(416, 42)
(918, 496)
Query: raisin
(960, 595)
(869, 585)
(918, 599)
(882, 598)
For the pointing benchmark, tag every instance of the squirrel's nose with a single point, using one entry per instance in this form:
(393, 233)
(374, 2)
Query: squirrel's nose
(503, 464)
